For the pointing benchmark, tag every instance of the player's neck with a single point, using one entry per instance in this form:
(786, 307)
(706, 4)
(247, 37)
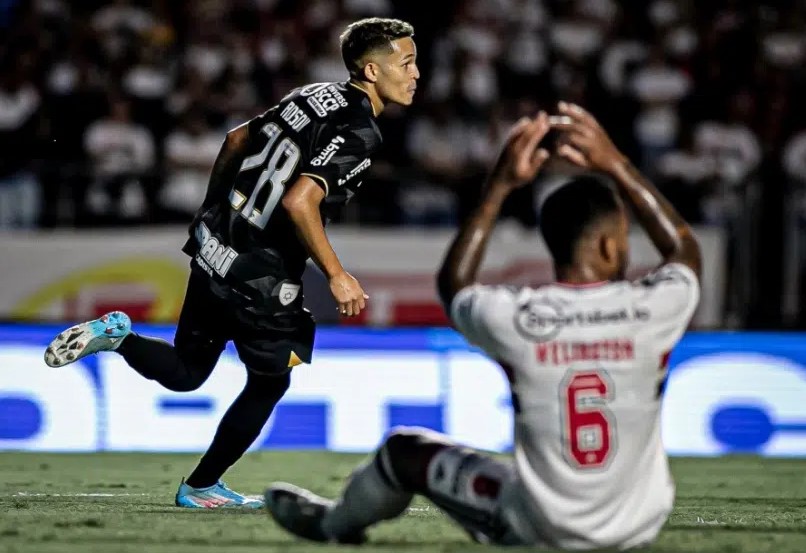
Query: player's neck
(374, 99)
(578, 275)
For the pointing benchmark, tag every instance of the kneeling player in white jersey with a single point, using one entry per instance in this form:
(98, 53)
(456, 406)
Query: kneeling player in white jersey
(586, 358)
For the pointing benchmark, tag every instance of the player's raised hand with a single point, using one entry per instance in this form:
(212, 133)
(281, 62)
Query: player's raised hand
(520, 158)
(584, 142)
(348, 294)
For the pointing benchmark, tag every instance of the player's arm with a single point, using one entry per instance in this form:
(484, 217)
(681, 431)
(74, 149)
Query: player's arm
(227, 163)
(225, 169)
(342, 146)
(302, 204)
(518, 164)
(588, 145)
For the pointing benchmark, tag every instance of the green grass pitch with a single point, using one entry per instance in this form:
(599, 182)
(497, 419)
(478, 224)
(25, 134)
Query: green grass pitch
(124, 502)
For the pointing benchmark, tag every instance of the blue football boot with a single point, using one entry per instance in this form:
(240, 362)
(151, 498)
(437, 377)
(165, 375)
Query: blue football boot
(104, 334)
(213, 497)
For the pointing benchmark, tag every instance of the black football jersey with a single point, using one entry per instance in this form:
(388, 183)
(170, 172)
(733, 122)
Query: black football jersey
(242, 237)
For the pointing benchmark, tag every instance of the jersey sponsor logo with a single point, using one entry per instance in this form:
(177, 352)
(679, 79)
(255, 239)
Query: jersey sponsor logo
(560, 352)
(288, 293)
(541, 320)
(356, 170)
(310, 89)
(295, 117)
(323, 97)
(213, 256)
(328, 152)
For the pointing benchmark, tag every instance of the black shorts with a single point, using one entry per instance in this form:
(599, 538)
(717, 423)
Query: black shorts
(267, 344)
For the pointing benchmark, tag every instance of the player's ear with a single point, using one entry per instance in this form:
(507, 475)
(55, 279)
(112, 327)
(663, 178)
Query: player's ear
(371, 70)
(608, 249)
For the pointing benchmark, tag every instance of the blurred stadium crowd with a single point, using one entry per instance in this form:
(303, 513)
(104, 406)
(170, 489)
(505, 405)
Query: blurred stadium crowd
(113, 111)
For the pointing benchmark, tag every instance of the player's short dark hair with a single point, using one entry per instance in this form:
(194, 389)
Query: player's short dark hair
(366, 35)
(571, 210)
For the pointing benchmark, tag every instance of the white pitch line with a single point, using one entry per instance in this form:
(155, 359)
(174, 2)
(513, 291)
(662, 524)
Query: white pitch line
(36, 494)
(714, 522)
(31, 494)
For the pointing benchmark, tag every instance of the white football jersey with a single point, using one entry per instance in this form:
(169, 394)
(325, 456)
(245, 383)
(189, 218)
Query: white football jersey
(587, 365)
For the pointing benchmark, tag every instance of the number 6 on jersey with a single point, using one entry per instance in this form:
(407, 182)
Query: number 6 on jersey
(280, 167)
(589, 425)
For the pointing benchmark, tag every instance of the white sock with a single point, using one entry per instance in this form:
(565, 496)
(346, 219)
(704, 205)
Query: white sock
(371, 495)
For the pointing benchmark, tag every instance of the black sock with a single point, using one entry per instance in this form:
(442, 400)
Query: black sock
(158, 360)
(240, 427)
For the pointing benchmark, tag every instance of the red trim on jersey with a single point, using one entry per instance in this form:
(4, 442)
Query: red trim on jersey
(582, 284)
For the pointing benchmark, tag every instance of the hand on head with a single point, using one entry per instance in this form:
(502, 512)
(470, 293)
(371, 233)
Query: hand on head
(520, 158)
(583, 142)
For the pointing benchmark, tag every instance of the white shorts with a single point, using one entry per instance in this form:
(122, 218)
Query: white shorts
(480, 492)
(487, 498)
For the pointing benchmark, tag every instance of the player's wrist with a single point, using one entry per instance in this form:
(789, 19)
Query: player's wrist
(616, 165)
(335, 273)
(498, 188)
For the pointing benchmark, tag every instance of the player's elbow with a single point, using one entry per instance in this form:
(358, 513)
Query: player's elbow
(299, 206)
(696, 257)
(688, 253)
(294, 204)
(302, 198)
(447, 286)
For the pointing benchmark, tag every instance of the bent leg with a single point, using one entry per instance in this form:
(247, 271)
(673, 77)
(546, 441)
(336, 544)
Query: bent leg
(201, 336)
(464, 483)
(372, 495)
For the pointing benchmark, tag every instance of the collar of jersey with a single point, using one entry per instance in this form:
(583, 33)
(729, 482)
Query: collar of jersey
(582, 286)
(352, 84)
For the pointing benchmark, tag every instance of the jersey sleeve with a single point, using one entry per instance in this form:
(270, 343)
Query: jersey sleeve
(255, 124)
(340, 153)
(669, 296)
(485, 315)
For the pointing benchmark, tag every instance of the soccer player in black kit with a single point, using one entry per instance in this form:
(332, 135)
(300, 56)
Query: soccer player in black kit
(277, 180)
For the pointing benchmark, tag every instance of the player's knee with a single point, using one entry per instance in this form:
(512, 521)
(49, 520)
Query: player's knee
(188, 383)
(193, 368)
(406, 452)
(402, 439)
(273, 387)
(191, 377)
